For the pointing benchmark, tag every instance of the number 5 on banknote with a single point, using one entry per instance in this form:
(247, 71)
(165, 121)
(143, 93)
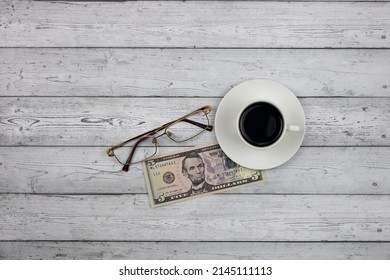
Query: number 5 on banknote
(193, 172)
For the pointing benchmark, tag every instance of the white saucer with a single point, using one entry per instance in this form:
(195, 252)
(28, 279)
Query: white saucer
(230, 109)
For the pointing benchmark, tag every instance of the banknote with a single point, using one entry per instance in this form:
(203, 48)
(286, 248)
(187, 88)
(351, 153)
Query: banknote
(193, 172)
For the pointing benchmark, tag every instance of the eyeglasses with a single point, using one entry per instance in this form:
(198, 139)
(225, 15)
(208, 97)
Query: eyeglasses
(180, 130)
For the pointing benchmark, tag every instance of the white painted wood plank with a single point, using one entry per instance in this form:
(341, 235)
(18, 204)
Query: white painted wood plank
(194, 250)
(195, 24)
(190, 72)
(86, 170)
(236, 0)
(108, 121)
(212, 218)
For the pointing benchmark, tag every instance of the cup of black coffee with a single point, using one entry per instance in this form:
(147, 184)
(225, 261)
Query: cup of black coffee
(261, 124)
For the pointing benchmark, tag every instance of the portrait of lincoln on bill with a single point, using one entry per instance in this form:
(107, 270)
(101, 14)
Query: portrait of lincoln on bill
(193, 167)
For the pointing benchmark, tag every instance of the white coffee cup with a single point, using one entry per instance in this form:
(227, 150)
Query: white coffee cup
(262, 124)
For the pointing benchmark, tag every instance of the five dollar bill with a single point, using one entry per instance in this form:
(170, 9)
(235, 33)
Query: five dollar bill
(194, 172)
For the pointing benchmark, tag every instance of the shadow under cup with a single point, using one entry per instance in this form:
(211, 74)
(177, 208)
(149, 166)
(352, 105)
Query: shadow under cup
(261, 124)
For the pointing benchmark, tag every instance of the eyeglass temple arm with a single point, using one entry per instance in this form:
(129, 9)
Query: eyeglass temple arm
(128, 161)
(201, 125)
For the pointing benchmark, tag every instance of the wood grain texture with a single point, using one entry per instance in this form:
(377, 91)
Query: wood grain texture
(86, 170)
(194, 250)
(190, 72)
(135, 65)
(219, 0)
(195, 24)
(218, 217)
(108, 121)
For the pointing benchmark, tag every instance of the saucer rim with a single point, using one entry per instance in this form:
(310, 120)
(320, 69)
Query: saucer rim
(242, 152)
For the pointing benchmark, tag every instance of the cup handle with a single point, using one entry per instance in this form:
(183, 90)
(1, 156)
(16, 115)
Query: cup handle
(292, 127)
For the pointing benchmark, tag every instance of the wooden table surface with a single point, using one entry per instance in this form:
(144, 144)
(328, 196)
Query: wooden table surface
(78, 77)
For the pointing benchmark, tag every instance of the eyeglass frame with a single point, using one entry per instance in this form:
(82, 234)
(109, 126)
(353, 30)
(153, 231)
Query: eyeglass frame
(205, 109)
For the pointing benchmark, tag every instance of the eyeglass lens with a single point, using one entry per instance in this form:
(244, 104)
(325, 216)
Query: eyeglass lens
(145, 150)
(185, 129)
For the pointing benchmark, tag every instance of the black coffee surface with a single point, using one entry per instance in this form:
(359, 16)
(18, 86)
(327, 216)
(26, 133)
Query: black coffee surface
(261, 124)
